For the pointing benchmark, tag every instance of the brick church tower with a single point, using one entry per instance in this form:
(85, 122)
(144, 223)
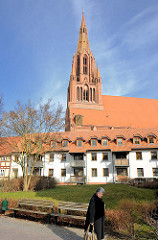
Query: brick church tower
(84, 91)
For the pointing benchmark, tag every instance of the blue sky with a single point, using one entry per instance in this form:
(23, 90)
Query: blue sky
(39, 37)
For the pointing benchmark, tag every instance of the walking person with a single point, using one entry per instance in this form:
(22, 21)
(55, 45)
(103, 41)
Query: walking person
(96, 213)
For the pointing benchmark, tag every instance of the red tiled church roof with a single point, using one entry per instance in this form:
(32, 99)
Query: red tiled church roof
(122, 112)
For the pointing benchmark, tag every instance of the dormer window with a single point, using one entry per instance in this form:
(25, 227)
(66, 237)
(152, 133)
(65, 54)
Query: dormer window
(93, 142)
(79, 143)
(136, 140)
(53, 144)
(151, 140)
(119, 141)
(104, 142)
(65, 143)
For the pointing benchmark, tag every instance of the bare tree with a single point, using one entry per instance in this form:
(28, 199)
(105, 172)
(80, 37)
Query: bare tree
(32, 127)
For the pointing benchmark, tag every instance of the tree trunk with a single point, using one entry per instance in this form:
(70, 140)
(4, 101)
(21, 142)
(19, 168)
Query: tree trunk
(26, 186)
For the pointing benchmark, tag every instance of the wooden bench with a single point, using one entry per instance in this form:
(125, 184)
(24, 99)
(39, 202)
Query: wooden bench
(35, 206)
(72, 210)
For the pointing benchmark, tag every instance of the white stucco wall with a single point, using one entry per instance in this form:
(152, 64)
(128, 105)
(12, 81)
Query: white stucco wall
(57, 165)
(99, 164)
(146, 163)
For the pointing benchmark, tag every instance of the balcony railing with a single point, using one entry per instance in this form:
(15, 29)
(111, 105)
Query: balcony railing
(75, 179)
(121, 162)
(77, 163)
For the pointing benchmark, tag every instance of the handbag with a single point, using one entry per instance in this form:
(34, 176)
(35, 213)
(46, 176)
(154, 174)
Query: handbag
(90, 235)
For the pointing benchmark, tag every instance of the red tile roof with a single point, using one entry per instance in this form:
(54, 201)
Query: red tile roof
(122, 112)
(6, 145)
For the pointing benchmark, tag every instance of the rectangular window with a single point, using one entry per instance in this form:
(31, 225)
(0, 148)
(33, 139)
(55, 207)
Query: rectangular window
(37, 172)
(3, 158)
(39, 158)
(63, 172)
(153, 155)
(79, 143)
(122, 172)
(105, 156)
(105, 172)
(65, 143)
(78, 156)
(63, 157)
(51, 157)
(119, 141)
(151, 140)
(138, 155)
(94, 156)
(53, 144)
(2, 173)
(94, 142)
(78, 172)
(51, 172)
(140, 172)
(104, 142)
(16, 158)
(155, 172)
(94, 172)
(137, 141)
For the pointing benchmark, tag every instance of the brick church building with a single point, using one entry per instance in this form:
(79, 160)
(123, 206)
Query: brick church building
(88, 109)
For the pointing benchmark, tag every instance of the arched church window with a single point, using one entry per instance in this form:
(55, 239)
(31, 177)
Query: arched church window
(85, 93)
(85, 62)
(81, 93)
(93, 94)
(78, 96)
(78, 66)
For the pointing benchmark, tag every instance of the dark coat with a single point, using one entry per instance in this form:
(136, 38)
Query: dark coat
(96, 215)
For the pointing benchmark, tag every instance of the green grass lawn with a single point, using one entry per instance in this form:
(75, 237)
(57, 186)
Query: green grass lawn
(82, 193)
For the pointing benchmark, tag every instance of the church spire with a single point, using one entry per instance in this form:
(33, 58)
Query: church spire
(98, 73)
(83, 42)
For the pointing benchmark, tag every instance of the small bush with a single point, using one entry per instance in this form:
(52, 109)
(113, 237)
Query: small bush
(151, 183)
(44, 183)
(37, 184)
(129, 214)
(13, 185)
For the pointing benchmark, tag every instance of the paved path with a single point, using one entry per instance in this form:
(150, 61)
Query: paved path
(16, 229)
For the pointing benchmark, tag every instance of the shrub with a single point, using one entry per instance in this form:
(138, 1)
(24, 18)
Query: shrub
(151, 183)
(37, 183)
(128, 215)
(13, 185)
(44, 183)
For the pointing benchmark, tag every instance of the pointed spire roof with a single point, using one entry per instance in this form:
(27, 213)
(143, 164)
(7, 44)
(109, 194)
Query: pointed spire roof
(73, 70)
(83, 23)
(83, 42)
(98, 73)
